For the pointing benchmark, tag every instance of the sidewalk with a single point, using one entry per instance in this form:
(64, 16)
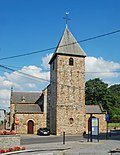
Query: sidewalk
(77, 147)
(80, 147)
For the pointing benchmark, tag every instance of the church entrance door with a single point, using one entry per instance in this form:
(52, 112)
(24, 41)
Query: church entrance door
(30, 127)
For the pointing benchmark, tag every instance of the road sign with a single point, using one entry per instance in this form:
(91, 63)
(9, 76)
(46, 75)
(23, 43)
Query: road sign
(107, 117)
(17, 122)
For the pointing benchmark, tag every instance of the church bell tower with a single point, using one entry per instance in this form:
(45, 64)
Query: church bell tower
(67, 86)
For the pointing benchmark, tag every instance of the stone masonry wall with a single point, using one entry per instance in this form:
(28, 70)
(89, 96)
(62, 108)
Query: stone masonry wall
(39, 120)
(53, 96)
(70, 95)
(9, 141)
(48, 105)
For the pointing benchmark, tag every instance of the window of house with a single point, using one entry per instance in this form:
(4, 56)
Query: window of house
(71, 61)
(71, 120)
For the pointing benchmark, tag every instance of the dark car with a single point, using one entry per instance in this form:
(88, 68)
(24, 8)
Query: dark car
(43, 131)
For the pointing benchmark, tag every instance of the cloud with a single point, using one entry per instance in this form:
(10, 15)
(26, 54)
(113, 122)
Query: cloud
(32, 79)
(95, 67)
(45, 60)
(98, 67)
(4, 98)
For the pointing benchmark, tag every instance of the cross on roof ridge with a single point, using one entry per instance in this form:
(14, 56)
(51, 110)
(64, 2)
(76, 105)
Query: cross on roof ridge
(66, 18)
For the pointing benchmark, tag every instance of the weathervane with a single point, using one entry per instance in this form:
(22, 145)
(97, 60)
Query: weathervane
(66, 18)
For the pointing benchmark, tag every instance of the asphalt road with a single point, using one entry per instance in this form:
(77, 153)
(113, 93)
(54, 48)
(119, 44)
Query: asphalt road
(26, 140)
(35, 139)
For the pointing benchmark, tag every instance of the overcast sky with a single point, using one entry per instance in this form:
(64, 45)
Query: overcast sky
(32, 26)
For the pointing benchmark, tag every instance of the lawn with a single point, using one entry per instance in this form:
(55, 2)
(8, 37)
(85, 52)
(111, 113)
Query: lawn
(113, 125)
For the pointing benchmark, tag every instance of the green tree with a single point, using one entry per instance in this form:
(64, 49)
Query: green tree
(97, 92)
(115, 91)
(115, 108)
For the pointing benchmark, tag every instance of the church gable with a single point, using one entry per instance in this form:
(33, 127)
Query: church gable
(68, 46)
(26, 107)
(27, 102)
(25, 97)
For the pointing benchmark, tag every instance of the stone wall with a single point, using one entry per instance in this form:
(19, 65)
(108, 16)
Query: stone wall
(53, 97)
(39, 120)
(68, 95)
(9, 141)
(48, 105)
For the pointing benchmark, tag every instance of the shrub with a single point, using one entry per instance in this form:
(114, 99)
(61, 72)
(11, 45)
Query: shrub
(2, 151)
(16, 148)
(7, 132)
(7, 150)
(23, 147)
(4, 132)
(11, 149)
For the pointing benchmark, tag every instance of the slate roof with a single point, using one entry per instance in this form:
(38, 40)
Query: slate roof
(27, 108)
(25, 97)
(93, 109)
(68, 45)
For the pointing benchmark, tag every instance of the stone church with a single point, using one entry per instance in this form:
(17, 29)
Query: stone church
(61, 106)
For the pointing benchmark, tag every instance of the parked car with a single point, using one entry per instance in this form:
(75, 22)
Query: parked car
(43, 131)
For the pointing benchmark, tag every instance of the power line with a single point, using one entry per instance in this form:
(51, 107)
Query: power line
(19, 67)
(39, 79)
(36, 78)
(47, 70)
(105, 72)
(52, 48)
(26, 54)
(25, 74)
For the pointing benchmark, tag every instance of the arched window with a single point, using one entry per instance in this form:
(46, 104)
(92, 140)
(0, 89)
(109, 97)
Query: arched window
(71, 61)
(71, 120)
